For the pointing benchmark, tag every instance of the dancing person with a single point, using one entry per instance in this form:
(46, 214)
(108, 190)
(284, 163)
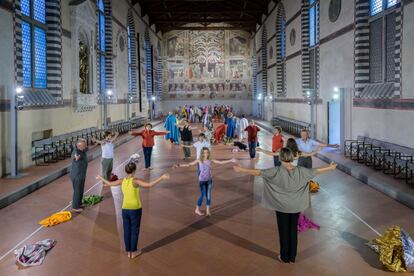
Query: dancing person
(230, 126)
(219, 133)
(244, 123)
(148, 142)
(277, 144)
(186, 137)
(131, 205)
(286, 191)
(107, 148)
(78, 173)
(252, 130)
(171, 126)
(307, 145)
(290, 144)
(202, 143)
(205, 178)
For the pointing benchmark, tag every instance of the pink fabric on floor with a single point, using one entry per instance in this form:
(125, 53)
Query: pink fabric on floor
(304, 224)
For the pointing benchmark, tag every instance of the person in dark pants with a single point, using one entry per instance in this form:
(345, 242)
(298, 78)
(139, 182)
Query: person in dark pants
(131, 205)
(186, 137)
(148, 142)
(252, 130)
(307, 145)
(277, 144)
(286, 191)
(78, 174)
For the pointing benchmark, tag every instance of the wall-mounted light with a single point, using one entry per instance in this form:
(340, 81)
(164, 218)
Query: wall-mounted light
(19, 90)
(335, 96)
(270, 97)
(259, 97)
(109, 92)
(336, 89)
(153, 98)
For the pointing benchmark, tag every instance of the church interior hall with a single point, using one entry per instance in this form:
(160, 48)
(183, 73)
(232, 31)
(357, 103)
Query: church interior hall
(219, 137)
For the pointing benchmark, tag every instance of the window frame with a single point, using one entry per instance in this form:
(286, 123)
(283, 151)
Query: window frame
(129, 48)
(383, 16)
(33, 24)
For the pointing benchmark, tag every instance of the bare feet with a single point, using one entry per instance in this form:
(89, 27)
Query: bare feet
(150, 168)
(208, 213)
(280, 259)
(79, 210)
(198, 212)
(129, 254)
(135, 254)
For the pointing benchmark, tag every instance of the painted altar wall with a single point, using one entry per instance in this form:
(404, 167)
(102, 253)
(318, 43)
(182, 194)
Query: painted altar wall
(207, 67)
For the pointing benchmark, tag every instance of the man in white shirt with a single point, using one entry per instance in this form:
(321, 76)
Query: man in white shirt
(200, 144)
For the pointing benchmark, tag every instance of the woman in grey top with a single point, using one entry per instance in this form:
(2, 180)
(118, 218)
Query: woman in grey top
(286, 190)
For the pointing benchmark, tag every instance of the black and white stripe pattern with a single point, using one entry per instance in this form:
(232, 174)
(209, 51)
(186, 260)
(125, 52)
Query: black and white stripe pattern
(254, 71)
(109, 75)
(133, 53)
(17, 19)
(158, 72)
(361, 45)
(305, 46)
(148, 63)
(264, 61)
(280, 64)
(54, 49)
(398, 32)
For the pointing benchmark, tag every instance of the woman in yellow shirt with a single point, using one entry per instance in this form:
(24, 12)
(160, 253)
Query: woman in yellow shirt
(131, 205)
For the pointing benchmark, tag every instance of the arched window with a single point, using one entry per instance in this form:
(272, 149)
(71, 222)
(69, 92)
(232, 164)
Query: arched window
(33, 31)
(132, 56)
(281, 52)
(101, 51)
(382, 41)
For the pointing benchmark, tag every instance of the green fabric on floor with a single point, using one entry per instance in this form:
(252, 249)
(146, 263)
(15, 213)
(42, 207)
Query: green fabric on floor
(91, 200)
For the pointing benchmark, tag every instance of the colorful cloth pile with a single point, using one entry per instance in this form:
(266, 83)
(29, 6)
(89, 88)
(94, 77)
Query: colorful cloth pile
(91, 200)
(313, 186)
(34, 254)
(305, 223)
(395, 249)
(56, 218)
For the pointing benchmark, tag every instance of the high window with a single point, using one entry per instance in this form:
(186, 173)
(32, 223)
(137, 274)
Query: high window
(313, 40)
(382, 41)
(34, 43)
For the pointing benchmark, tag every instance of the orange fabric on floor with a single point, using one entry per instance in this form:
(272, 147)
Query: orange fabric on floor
(56, 218)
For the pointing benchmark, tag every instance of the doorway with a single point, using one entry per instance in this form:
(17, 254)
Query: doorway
(334, 121)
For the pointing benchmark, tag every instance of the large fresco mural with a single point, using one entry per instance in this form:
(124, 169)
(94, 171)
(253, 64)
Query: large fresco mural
(207, 64)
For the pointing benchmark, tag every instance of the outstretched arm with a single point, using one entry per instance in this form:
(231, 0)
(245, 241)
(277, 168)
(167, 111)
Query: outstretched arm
(253, 172)
(109, 183)
(135, 133)
(186, 165)
(142, 183)
(97, 141)
(268, 152)
(115, 136)
(328, 168)
(224, 161)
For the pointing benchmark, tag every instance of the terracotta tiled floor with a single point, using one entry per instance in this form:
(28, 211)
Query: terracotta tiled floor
(239, 239)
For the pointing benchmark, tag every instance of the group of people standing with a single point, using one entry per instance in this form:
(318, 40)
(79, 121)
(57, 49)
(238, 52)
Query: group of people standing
(286, 183)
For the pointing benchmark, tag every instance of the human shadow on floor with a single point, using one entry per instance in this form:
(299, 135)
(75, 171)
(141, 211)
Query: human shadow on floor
(223, 212)
(360, 245)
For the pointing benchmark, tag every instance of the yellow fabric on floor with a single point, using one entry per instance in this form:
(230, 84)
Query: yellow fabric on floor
(56, 218)
(390, 249)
